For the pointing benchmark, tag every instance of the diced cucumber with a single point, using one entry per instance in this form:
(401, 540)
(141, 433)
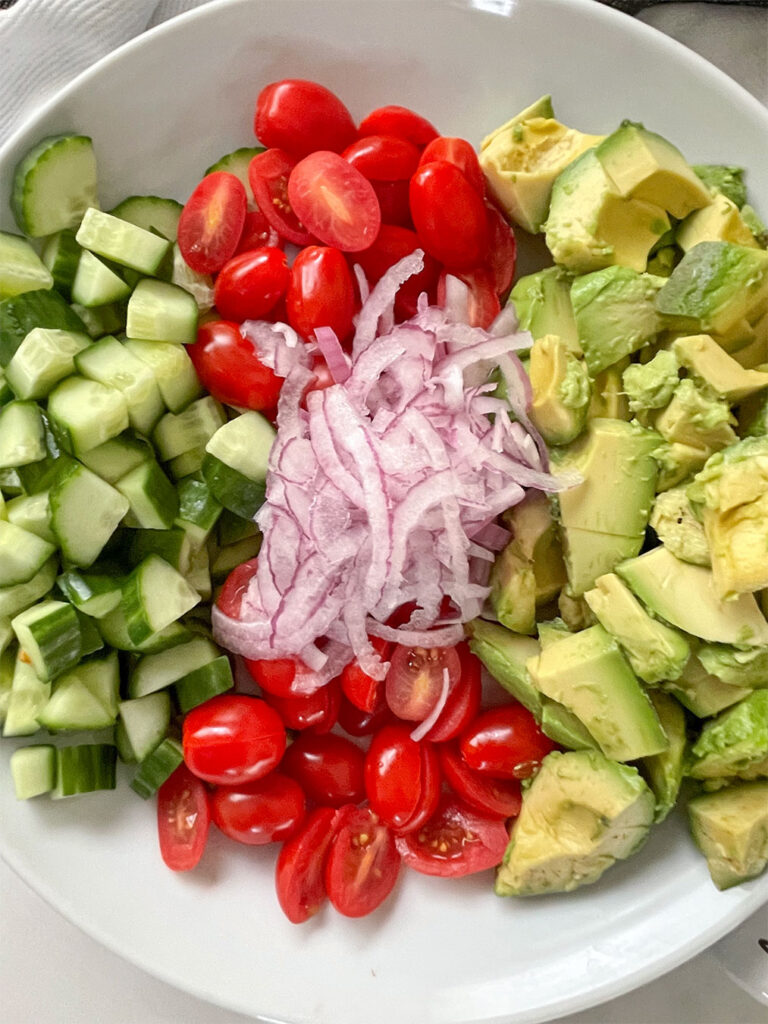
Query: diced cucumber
(7, 665)
(32, 513)
(172, 546)
(236, 492)
(22, 313)
(16, 599)
(85, 413)
(10, 484)
(85, 768)
(6, 395)
(175, 375)
(198, 510)
(22, 554)
(113, 459)
(85, 697)
(29, 695)
(49, 634)
(61, 255)
(228, 558)
(101, 320)
(145, 723)
(203, 683)
(151, 213)
(232, 528)
(21, 269)
(198, 575)
(42, 475)
(22, 435)
(96, 284)
(110, 363)
(114, 629)
(237, 163)
(54, 184)
(177, 433)
(85, 512)
(92, 593)
(154, 596)
(160, 311)
(199, 286)
(121, 242)
(91, 641)
(154, 672)
(157, 767)
(44, 358)
(151, 495)
(187, 463)
(33, 770)
(244, 444)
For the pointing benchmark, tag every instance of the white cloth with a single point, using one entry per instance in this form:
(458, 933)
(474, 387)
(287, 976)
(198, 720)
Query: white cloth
(46, 43)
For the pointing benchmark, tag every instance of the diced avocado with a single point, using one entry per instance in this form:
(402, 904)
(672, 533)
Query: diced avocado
(643, 165)
(520, 163)
(677, 527)
(552, 630)
(729, 181)
(709, 364)
(663, 260)
(615, 314)
(587, 673)
(703, 694)
(753, 416)
(609, 400)
(513, 590)
(561, 390)
(740, 336)
(564, 728)
(651, 385)
(734, 741)
(730, 828)
(755, 224)
(718, 222)
(591, 226)
(505, 654)
(655, 651)
(664, 771)
(580, 815)
(541, 108)
(696, 418)
(714, 287)
(543, 304)
(575, 612)
(685, 596)
(677, 462)
(736, 667)
(588, 555)
(755, 353)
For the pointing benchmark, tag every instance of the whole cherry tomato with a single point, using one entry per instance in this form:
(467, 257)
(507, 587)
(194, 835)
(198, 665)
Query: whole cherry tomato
(394, 202)
(399, 121)
(235, 588)
(268, 175)
(249, 285)
(261, 812)
(321, 292)
(502, 251)
(299, 876)
(328, 768)
(317, 711)
(449, 215)
(383, 157)
(183, 819)
(334, 201)
(363, 723)
(458, 152)
(392, 244)
(463, 699)
(301, 116)
(229, 368)
(362, 864)
(505, 742)
(277, 676)
(232, 739)
(456, 841)
(499, 798)
(211, 222)
(402, 778)
(415, 679)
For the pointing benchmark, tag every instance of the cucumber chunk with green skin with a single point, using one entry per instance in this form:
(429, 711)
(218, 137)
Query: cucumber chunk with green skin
(203, 683)
(101, 320)
(160, 311)
(228, 558)
(173, 369)
(10, 484)
(177, 434)
(96, 284)
(152, 497)
(22, 313)
(232, 528)
(61, 255)
(29, 695)
(155, 595)
(145, 722)
(16, 599)
(198, 511)
(54, 184)
(85, 512)
(22, 554)
(7, 665)
(110, 363)
(154, 672)
(85, 768)
(117, 457)
(236, 492)
(187, 464)
(173, 546)
(21, 269)
(6, 394)
(32, 513)
(198, 575)
(22, 435)
(49, 635)
(244, 444)
(151, 212)
(84, 413)
(45, 357)
(40, 476)
(85, 697)
(92, 593)
(91, 641)
(157, 767)
(121, 242)
(33, 770)
(237, 163)
(114, 629)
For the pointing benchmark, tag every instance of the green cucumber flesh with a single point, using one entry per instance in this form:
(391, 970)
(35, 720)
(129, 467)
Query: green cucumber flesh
(61, 255)
(151, 213)
(22, 313)
(32, 513)
(155, 595)
(121, 242)
(152, 497)
(17, 599)
(85, 413)
(117, 457)
(145, 722)
(154, 672)
(96, 284)
(93, 594)
(101, 320)
(22, 435)
(235, 491)
(85, 512)
(85, 768)
(45, 357)
(237, 163)
(244, 444)
(173, 369)
(157, 767)
(178, 433)
(49, 635)
(22, 554)
(110, 363)
(33, 770)
(161, 311)
(21, 269)
(203, 683)
(29, 695)
(54, 184)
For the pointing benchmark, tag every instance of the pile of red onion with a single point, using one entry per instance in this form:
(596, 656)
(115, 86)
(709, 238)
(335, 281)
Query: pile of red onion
(384, 488)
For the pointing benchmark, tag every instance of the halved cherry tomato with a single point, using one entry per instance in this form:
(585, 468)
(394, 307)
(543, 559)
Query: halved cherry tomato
(383, 157)
(365, 692)
(232, 739)
(483, 301)
(229, 368)
(458, 152)
(317, 711)
(235, 587)
(463, 700)
(321, 292)
(268, 175)
(363, 723)
(505, 742)
(257, 231)
(456, 841)
(499, 798)
(399, 121)
(363, 862)
(211, 222)
(183, 819)
(502, 251)
(328, 768)
(276, 677)
(415, 679)
(392, 244)
(301, 865)
(256, 813)
(322, 378)
(394, 202)
(334, 201)
(449, 215)
(249, 285)
(301, 116)
(402, 778)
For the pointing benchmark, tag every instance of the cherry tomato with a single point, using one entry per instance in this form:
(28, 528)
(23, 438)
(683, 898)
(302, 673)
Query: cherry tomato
(499, 798)
(334, 201)
(250, 284)
(463, 700)
(363, 723)
(394, 202)
(322, 378)
(400, 122)
(415, 679)
(363, 863)
(505, 742)
(277, 677)
(402, 778)
(483, 301)
(328, 768)
(232, 739)
(301, 116)
(257, 231)
(261, 812)
(365, 692)
(229, 368)
(183, 819)
(211, 222)
(321, 292)
(456, 841)
(301, 865)
(235, 587)
(502, 251)
(458, 152)
(268, 175)
(383, 157)
(317, 711)
(449, 215)
(392, 244)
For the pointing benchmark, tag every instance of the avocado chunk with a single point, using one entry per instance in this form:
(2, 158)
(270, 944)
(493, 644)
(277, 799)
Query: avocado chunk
(591, 226)
(505, 654)
(551, 631)
(542, 107)
(697, 418)
(718, 222)
(677, 462)
(685, 596)
(543, 305)
(609, 400)
(651, 385)
(756, 225)
(710, 365)
(561, 390)
(703, 694)
(734, 666)
(576, 613)
(714, 287)
(643, 165)
(755, 353)
(677, 527)
(753, 416)
(734, 741)
(587, 673)
(580, 815)
(729, 181)
(664, 771)
(615, 314)
(730, 828)
(654, 651)
(563, 727)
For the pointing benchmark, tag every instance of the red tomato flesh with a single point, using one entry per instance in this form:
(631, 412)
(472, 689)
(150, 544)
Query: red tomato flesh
(249, 285)
(329, 768)
(257, 231)
(365, 692)
(321, 292)
(235, 588)
(301, 116)
(402, 778)
(400, 122)
(334, 201)
(499, 798)
(211, 222)
(301, 865)
(415, 679)
(232, 739)
(463, 700)
(183, 819)
(229, 368)
(505, 742)
(449, 215)
(363, 862)
(256, 813)
(268, 175)
(456, 841)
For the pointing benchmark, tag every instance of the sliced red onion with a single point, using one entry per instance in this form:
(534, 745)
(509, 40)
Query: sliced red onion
(333, 353)
(423, 728)
(456, 304)
(278, 346)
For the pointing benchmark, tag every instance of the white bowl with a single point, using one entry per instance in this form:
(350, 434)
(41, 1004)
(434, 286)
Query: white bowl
(161, 110)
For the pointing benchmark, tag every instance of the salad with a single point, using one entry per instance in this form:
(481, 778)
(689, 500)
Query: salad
(343, 537)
